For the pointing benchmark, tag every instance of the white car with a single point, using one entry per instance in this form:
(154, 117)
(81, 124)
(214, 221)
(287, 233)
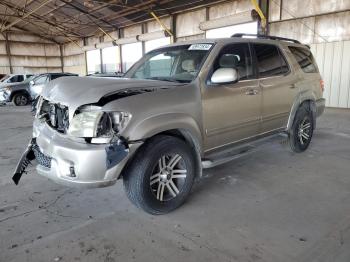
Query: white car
(14, 78)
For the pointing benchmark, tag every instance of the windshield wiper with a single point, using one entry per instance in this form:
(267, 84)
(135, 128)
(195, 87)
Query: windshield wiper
(168, 79)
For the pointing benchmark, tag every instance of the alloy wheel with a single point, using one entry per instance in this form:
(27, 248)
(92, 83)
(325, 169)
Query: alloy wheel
(168, 177)
(304, 131)
(21, 100)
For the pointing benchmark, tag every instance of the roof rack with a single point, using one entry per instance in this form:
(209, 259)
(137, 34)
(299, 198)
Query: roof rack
(241, 35)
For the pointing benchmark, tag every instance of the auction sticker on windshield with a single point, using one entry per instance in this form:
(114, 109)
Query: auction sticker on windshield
(200, 47)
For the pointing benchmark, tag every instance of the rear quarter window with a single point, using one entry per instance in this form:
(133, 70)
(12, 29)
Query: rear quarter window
(305, 59)
(53, 77)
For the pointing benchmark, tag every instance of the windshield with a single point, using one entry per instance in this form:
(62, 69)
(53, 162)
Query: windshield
(40, 79)
(175, 64)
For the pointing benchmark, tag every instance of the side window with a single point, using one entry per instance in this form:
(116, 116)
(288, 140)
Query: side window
(270, 61)
(15, 79)
(305, 59)
(41, 80)
(12, 79)
(20, 78)
(236, 56)
(53, 77)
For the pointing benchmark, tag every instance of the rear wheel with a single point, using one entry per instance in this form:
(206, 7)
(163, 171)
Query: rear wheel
(302, 129)
(161, 175)
(20, 99)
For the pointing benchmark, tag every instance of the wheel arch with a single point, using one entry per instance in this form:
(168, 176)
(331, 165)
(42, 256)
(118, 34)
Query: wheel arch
(186, 136)
(308, 98)
(15, 92)
(187, 132)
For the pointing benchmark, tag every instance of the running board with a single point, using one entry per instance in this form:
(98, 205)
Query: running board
(209, 163)
(230, 154)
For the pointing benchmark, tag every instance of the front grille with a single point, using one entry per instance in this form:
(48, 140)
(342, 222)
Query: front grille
(42, 159)
(57, 116)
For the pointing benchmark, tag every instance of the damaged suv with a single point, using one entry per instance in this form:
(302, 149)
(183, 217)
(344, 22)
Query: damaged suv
(180, 109)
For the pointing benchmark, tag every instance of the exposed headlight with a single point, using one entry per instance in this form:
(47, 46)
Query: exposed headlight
(90, 123)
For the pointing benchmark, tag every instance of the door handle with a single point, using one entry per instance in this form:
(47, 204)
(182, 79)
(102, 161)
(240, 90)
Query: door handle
(251, 92)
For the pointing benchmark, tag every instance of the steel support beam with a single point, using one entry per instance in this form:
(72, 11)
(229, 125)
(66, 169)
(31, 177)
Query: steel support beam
(263, 21)
(61, 56)
(8, 51)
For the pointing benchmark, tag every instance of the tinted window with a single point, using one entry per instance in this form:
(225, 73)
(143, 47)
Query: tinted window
(236, 56)
(12, 79)
(56, 76)
(305, 59)
(17, 78)
(270, 61)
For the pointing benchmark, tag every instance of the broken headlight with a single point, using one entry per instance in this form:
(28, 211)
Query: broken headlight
(92, 122)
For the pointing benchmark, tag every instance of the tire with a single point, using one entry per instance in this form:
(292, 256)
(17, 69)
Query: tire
(161, 175)
(21, 99)
(302, 129)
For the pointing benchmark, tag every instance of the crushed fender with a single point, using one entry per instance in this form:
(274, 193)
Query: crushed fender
(116, 152)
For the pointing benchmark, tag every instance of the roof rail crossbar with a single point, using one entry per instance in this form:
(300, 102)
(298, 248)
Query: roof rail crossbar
(241, 35)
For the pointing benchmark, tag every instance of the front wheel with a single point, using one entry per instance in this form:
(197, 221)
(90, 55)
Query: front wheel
(20, 100)
(161, 175)
(302, 129)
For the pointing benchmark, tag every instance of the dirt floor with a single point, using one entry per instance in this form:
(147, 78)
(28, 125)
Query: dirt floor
(272, 205)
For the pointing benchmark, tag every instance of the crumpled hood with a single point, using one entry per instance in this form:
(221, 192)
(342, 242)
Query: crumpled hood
(76, 91)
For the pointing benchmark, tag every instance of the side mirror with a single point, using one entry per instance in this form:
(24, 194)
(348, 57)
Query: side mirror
(31, 83)
(224, 76)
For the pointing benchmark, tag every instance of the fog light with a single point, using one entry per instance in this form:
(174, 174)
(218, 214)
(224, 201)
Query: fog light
(72, 172)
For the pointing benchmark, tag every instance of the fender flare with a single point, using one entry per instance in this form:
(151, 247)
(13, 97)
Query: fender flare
(168, 123)
(307, 96)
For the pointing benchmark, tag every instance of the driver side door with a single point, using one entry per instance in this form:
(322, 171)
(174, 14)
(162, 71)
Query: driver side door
(232, 111)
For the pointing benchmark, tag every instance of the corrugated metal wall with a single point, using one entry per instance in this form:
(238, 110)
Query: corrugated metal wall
(74, 58)
(4, 61)
(29, 54)
(333, 60)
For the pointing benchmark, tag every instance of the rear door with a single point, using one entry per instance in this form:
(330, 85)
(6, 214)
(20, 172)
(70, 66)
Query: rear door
(276, 82)
(231, 111)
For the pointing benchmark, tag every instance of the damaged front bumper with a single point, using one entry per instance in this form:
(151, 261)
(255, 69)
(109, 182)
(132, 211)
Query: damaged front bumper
(74, 163)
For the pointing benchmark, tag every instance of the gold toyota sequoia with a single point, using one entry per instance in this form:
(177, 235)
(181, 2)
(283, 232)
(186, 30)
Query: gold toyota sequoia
(179, 109)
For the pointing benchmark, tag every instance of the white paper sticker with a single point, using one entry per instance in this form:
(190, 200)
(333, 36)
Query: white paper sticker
(200, 47)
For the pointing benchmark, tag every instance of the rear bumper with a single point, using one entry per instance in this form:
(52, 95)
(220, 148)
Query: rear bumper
(320, 106)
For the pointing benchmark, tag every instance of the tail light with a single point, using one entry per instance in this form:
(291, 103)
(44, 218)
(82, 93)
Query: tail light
(322, 85)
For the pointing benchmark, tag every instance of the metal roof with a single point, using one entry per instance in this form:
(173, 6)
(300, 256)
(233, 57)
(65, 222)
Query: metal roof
(64, 20)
